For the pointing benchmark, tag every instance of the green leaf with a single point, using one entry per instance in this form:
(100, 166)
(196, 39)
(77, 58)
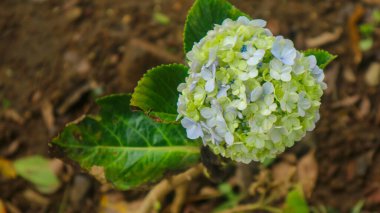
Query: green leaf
(358, 207)
(323, 57)
(232, 198)
(202, 17)
(36, 169)
(295, 202)
(126, 148)
(156, 93)
(161, 18)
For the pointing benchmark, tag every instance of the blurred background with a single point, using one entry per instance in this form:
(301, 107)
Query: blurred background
(56, 57)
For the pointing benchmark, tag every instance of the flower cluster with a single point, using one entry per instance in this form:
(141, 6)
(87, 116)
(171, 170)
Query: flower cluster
(249, 94)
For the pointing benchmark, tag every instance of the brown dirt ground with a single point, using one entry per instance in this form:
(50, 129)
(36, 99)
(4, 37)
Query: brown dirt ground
(56, 56)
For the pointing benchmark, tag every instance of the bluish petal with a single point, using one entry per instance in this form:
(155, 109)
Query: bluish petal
(194, 132)
(187, 122)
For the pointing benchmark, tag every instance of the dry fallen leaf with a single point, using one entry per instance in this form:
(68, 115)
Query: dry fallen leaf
(98, 173)
(374, 197)
(372, 75)
(7, 171)
(307, 172)
(2, 207)
(282, 174)
(35, 198)
(364, 108)
(349, 75)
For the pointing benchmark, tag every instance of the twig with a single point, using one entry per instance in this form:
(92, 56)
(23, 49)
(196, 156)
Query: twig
(354, 34)
(180, 194)
(74, 98)
(48, 115)
(155, 50)
(372, 2)
(167, 185)
(324, 38)
(251, 207)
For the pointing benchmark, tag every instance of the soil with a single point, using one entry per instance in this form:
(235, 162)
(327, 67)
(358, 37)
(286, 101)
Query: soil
(58, 56)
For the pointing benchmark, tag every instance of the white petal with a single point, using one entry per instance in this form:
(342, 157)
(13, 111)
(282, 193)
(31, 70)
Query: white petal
(252, 61)
(259, 143)
(206, 73)
(223, 91)
(301, 112)
(227, 22)
(207, 112)
(259, 54)
(258, 23)
(211, 122)
(275, 64)
(243, 20)
(243, 76)
(268, 100)
(268, 88)
(256, 94)
(286, 77)
(210, 85)
(275, 134)
(265, 112)
(212, 56)
(253, 72)
(245, 55)
(229, 138)
(275, 75)
(268, 32)
(230, 41)
(241, 105)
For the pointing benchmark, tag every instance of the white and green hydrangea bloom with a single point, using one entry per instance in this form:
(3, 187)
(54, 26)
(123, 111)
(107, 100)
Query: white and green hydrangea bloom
(249, 94)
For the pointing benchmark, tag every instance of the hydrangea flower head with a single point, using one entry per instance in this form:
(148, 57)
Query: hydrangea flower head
(249, 94)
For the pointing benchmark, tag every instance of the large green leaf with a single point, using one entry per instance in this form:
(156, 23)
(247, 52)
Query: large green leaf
(126, 148)
(323, 57)
(156, 93)
(203, 16)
